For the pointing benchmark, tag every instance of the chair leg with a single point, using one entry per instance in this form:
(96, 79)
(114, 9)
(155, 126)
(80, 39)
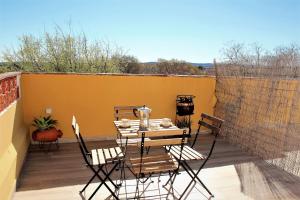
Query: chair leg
(172, 182)
(189, 185)
(100, 169)
(103, 183)
(83, 189)
(174, 174)
(147, 150)
(190, 171)
(194, 176)
(121, 169)
(194, 142)
(116, 186)
(204, 186)
(137, 192)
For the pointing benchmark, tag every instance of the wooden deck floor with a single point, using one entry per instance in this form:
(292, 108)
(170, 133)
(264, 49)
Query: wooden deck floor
(230, 174)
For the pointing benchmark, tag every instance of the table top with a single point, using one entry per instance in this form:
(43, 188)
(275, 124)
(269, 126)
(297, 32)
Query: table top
(131, 132)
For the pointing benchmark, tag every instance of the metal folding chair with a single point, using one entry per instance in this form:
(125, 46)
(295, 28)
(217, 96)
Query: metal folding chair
(144, 166)
(96, 160)
(125, 112)
(190, 154)
(128, 112)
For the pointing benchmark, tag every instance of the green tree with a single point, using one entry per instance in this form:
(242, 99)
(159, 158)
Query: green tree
(175, 66)
(66, 52)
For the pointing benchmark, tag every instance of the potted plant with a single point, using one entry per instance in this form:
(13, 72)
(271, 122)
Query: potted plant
(45, 130)
(183, 123)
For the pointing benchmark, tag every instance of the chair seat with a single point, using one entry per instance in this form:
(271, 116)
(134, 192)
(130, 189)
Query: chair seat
(153, 164)
(187, 153)
(130, 141)
(106, 155)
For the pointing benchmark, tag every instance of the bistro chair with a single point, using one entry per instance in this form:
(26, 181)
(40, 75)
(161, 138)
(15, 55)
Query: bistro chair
(130, 113)
(125, 112)
(190, 154)
(145, 165)
(97, 159)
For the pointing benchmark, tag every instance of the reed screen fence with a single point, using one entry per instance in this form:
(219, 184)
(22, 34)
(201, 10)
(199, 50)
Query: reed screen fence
(261, 109)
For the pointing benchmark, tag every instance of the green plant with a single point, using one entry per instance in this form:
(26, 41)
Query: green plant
(44, 123)
(183, 123)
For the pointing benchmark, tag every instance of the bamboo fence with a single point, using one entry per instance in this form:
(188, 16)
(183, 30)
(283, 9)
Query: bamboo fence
(261, 109)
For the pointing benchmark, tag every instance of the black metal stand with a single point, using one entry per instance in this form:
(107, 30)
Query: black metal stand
(42, 144)
(179, 113)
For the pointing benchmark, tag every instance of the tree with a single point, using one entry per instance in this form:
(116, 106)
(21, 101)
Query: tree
(66, 52)
(174, 66)
(283, 61)
(129, 64)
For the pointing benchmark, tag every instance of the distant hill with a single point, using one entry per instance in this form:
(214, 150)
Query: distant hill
(202, 64)
(207, 65)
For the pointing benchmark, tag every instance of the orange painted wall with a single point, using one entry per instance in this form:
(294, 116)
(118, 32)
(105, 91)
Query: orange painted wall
(91, 98)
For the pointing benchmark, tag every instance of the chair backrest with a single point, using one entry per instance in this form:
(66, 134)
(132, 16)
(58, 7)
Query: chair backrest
(73, 122)
(78, 135)
(212, 123)
(80, 141)
(216, 122)
(162, 138)
(125, 112)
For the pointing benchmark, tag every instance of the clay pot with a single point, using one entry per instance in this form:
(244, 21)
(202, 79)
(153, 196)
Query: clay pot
(59, 133)
(49, 135)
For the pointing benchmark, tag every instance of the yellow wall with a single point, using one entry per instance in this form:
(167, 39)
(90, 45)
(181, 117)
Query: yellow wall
(14, 141)
(92, 98)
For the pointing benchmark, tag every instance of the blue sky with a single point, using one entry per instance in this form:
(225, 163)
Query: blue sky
(192, 30)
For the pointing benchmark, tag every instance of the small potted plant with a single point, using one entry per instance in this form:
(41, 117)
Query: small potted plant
(183, 123)
(45, 130)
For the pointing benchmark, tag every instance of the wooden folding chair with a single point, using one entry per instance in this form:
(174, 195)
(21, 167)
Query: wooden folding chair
(144, 166)
(97, 159)
(189, 154)
(128, 112)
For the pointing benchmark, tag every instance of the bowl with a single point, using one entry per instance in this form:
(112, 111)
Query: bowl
(154, 126)
(125, 122)
(166, 122)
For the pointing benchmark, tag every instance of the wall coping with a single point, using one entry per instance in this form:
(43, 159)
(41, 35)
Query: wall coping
(9, 74)
(258, 78)
(116, 74)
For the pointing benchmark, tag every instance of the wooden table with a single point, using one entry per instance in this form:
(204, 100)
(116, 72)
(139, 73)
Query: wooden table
(131, 132)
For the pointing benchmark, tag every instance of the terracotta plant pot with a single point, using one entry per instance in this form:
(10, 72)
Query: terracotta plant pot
(49, 135)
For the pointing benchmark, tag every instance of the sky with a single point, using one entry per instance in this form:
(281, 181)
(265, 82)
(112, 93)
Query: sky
(191, 30)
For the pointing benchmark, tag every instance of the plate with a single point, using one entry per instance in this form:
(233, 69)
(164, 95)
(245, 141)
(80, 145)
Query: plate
(168, 126)
(154, 128)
